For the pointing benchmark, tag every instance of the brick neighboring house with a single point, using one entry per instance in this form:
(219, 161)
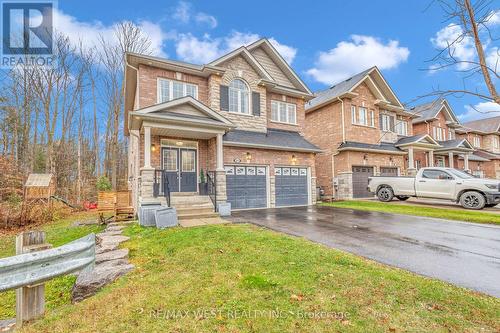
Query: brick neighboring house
(484, 134)
(363, 130)
(240, 118)
(438, 120)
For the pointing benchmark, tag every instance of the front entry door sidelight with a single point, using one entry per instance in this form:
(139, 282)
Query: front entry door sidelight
(180, 167)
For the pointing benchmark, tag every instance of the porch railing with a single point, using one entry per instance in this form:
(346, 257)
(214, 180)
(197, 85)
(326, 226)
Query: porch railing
(161, 186)
(212, 187)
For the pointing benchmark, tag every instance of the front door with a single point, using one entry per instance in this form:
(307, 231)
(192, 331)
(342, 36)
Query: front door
(180, 167)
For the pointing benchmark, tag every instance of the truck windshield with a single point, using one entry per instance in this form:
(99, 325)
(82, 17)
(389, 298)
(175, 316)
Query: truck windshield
(460, 174)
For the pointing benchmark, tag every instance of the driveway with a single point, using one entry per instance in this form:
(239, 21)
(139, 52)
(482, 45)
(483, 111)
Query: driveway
(465, 254)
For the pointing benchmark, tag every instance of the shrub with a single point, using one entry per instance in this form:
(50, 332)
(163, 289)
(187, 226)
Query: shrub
(103, 184)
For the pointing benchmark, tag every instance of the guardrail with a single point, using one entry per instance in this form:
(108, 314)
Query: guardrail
(36, 263)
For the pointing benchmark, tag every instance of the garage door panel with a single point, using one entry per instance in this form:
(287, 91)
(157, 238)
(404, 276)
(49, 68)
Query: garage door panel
(360, 181)
(291, 186)
(246, 187)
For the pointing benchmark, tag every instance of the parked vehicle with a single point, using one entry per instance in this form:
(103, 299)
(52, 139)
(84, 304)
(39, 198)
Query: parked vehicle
(439, 183)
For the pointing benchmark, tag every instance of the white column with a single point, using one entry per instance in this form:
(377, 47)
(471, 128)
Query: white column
(450, 158)
(147, 147)
(220, 153)
(411, 162)
(466, 161)
(431, 158)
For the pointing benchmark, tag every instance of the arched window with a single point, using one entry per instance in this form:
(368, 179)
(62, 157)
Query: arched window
(238, 97)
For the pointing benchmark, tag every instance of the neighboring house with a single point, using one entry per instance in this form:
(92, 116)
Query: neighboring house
(437, 120)
(484, 134)
(239, 118)
(363, 130)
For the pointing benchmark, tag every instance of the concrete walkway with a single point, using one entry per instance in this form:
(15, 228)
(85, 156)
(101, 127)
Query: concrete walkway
(465, 254)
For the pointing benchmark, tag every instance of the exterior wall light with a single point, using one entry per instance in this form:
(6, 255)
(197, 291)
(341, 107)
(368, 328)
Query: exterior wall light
(153, 147)
(248, 157)
(294, 159)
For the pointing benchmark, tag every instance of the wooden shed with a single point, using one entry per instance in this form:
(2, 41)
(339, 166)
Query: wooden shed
(39, 186)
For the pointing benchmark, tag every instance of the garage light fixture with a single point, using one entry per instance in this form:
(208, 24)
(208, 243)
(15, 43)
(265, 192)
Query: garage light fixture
(153, 147)
(248, 157)
(294, 159)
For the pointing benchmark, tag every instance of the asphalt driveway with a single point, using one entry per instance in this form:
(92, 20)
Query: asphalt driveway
(465, 254)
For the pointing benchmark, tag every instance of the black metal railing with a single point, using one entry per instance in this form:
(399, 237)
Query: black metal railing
(212, 187)
(160, 185)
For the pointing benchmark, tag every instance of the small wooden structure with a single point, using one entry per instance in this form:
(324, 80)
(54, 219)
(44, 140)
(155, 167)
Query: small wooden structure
(117, 202)
(39, 186)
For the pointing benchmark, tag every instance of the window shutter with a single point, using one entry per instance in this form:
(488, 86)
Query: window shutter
(224, 98)
(256, 104)
(391, 124)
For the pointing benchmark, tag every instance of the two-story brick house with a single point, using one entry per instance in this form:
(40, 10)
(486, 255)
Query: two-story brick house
(237, 121)
(363, 130)
(484, 134)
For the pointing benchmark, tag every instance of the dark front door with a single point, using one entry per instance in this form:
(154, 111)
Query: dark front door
(360, 176)
(180, 166)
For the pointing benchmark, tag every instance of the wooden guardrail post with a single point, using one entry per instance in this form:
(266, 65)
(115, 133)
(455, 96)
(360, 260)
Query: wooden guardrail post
(30, 300)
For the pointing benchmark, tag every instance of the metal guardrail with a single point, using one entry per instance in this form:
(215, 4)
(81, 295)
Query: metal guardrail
(30, 269)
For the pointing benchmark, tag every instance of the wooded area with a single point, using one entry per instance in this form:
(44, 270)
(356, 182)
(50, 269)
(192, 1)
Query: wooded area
(66, 119)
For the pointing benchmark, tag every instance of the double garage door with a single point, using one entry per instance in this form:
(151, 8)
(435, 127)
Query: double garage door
(247, 186)
(360, 176)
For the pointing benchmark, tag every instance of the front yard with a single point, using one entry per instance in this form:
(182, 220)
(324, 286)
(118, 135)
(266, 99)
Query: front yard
(418, 210)
(242, 278)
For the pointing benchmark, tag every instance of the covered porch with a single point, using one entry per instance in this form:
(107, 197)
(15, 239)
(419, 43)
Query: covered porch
(180, 151)
(420, 149)
(451, 151)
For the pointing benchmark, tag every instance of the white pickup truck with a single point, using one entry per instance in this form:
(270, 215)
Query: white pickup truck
(439, 183)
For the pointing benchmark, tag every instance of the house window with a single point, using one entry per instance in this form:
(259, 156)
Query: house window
(402, 127)
(360, 116)
(170, 89)
(238, 97)
(386, 123)
(451, 135)
(283, 112)
(495, 142)
(440, 162)
(477, 141)
(438, 133)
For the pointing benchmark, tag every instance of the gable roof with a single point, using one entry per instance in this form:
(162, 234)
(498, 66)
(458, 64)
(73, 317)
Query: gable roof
(459, 144)
(375, 81)
(361, 146)
(170, 111)
(487, 125)
(419, 139)
(430, 111)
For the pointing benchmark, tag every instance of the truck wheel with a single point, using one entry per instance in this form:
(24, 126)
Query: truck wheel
(385, 194)
(402, 197)
(472, 200)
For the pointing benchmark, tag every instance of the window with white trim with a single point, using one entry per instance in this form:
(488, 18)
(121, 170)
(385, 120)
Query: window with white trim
(360, 116)
(386, 123)
(438, 133)
(238, 97)
(171, 89)
(477, 141)
(284, 112)
(401, 127)
(495, 142)
(451, 135)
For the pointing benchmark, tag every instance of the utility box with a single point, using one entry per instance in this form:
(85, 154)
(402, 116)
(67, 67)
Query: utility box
(224, 208)
(166, 217)
(147, 213)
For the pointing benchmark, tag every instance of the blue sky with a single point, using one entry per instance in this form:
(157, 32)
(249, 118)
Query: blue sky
(325, 41)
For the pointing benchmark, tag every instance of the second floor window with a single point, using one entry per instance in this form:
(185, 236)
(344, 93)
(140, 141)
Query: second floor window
(238, 97)
(451, 135)
(170, 89)
(386, 123)
(401, 127)
(438, 133)
(283, 112)
(361, 116)
(477, 142)
(495, 142)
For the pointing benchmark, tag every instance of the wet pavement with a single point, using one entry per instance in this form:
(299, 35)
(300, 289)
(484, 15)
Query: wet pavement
(465, 254)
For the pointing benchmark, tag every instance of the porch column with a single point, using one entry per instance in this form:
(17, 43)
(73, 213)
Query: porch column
(431, 158)
(466, 162)
(219, 153)
(411, 163)
(450, 158)
(147, 147)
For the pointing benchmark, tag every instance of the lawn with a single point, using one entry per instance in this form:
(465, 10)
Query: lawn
(442, 213)
(58, 232)
(242, 278)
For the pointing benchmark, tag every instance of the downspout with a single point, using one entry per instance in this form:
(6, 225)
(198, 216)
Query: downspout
(343, 140)
(137, 157)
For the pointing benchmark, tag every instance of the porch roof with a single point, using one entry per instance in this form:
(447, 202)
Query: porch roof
(272, 139)
(474, 157)
(461, 145)
(387, 148)
(418, 141)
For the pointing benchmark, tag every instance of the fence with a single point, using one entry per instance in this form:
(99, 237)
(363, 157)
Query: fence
(36, 262)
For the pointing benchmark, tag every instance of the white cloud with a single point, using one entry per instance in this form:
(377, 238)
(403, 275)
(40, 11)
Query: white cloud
(351, 57)
(203, 50)
(479, 111)
(204, 18)
(494, 19)
(461, 46)
(89, 33)
(182, 12)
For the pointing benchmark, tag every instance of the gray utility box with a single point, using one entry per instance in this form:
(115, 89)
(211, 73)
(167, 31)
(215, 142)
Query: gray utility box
(147, 213)
(166, 217)
(224, 208)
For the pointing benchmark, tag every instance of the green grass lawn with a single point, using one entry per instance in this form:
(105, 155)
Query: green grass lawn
(418, 210)
(58, 232)
(228, 278)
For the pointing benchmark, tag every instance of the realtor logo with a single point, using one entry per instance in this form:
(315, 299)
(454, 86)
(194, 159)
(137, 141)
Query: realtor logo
(27, 32)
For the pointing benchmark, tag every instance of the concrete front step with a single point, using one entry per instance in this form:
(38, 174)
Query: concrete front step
(188, 210)
(197, 215)
(190, 199)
